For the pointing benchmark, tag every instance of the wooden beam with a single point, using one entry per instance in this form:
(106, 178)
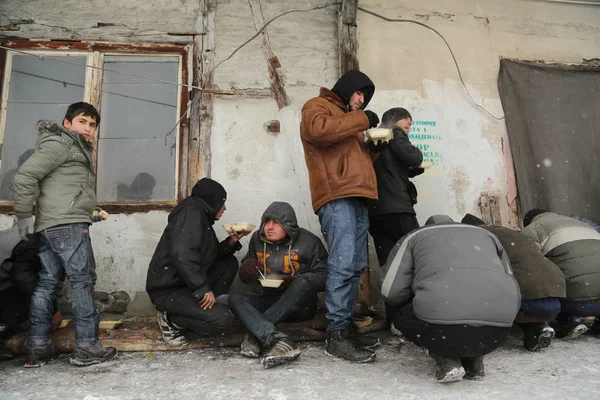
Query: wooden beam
(273, 65)
(201, 111)
(348, 42)
(490, 209)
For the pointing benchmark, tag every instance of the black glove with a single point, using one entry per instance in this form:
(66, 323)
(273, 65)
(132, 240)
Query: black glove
(412, 172)
(373, 118)
(377, 148)
(250, 269)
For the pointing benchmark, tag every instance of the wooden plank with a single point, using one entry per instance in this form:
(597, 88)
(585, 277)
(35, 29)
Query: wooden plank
(348, 42)
(490, 209)
(201, 111)
(273, 65)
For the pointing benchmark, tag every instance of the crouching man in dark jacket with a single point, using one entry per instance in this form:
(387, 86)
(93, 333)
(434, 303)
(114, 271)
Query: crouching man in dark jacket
(454, 293)
(541, 282)
(190, 268)
(575, 247)
(280, 249)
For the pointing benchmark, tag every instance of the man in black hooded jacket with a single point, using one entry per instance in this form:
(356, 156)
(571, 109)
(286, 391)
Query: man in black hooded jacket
(393, 215)
(190, 268)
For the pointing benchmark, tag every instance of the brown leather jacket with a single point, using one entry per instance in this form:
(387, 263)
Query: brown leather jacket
(338, 161)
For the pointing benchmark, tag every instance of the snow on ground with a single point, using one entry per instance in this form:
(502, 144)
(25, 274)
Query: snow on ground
(567, 370)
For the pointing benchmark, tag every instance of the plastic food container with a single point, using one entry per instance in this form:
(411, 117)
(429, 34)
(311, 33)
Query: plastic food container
(379, 135)
(239, 226)
(271, 283)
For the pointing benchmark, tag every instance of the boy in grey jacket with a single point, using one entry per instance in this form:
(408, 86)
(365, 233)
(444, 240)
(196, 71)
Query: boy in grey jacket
(60, 170)
(453, 293)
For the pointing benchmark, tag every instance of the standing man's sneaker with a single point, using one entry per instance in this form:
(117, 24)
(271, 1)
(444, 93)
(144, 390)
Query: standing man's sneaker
(92, 353)
(571, 329)
(39, 355)
(362, 341)
(448, 369)
(343, 345)
(474, 369)
(537, 336)
(283, 351)
(250, 346)
(172, 334)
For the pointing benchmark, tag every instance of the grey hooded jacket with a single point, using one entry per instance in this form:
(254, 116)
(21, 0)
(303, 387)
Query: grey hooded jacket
(575, 247)
(453, 274)
(61, 168)
(302, 254)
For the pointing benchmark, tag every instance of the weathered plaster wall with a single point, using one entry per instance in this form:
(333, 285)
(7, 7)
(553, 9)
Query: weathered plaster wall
(412, 68)
(255, 167)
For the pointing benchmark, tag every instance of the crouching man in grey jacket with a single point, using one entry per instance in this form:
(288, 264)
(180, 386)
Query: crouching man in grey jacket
(451, 290)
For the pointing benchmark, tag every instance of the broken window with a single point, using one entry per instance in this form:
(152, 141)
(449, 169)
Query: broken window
(139, 100)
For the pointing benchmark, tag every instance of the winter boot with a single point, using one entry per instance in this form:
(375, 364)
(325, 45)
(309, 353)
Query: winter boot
(344, 344)
(448, 369)
(362, 341)
(282, 351)
(537, 336)
(92, 353)
(5, 353)
(474, 369)
(40, 353)
(172, 334)
(250, 346)
(570, 329)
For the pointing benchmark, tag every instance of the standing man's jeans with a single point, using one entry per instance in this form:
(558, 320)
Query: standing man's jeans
(65, 250)
(260, 313)
(344, 224)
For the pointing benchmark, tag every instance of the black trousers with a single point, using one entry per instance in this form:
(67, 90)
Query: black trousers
(387, 229)
(14, 308)
(184, 310)
(456, 341)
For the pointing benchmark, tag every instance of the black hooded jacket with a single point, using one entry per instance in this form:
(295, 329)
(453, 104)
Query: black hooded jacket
(306, 251)
(353, 81)
(394, 189)
(189, 247)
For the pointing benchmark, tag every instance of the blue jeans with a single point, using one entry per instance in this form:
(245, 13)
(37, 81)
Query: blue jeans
(65, 250)
(546, 309)
(261, 312)
(344, 224)
(590, 308)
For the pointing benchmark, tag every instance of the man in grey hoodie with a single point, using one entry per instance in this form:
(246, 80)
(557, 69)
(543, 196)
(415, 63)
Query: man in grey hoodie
(280, 249)
(453, 293)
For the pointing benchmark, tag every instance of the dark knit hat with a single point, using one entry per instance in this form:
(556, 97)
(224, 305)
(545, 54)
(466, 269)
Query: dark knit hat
(470, 219)
(393, 115)
(531, 214)
(212, 192)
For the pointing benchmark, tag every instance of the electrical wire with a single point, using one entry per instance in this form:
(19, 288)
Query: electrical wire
(447, 45)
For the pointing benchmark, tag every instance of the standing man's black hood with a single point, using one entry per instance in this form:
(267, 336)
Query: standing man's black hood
(213, 194)
(285, 215)
(352, 81)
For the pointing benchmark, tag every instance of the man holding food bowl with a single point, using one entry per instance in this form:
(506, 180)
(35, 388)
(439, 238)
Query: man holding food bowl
(290, 263)
(190, 268)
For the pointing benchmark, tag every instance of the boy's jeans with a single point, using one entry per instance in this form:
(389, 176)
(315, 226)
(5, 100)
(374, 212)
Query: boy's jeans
(65, 250)
(344, 224)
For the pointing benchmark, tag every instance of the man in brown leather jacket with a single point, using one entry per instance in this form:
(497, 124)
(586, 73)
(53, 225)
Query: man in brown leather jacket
(342, 182)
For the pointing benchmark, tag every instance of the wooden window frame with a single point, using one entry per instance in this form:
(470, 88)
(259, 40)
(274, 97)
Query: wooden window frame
(92, 93)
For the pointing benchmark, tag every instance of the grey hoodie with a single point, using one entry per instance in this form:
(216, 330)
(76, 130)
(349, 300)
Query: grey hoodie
(305, 250)
(453, 274)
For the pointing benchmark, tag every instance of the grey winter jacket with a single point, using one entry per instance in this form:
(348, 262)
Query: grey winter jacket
(303, 254)
(453, 274)
(575, 247)
(61, 168)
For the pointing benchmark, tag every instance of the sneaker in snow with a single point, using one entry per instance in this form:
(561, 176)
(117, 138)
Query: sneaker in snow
(537, 336)
(571, 329)
(171, 333)
(448, 369)
(474, 369)
(92, 353)
(343, 345)
(40, 355)
(250, 346)
(283, 351)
